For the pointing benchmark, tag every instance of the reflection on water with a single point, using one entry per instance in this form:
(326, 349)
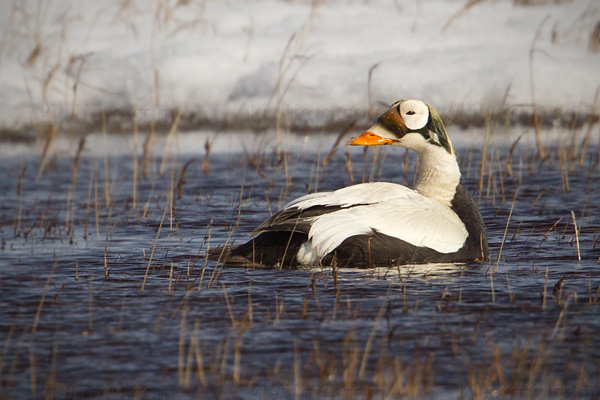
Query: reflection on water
(105, 292)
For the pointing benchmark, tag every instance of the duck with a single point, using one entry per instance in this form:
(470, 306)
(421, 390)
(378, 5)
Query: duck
(379, 224)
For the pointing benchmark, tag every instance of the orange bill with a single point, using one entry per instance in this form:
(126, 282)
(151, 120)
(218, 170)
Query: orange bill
(370, 139)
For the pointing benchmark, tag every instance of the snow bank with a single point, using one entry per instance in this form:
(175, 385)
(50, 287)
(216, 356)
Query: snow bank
(308, 61)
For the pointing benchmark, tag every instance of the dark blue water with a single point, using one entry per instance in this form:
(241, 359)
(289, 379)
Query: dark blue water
(105, 292)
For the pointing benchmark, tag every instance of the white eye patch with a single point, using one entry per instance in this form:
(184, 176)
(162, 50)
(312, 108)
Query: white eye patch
(414, 113)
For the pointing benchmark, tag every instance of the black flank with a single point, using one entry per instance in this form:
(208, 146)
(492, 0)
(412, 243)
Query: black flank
(272, 248)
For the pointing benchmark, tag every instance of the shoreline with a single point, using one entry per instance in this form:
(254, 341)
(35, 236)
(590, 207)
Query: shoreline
(304, 121)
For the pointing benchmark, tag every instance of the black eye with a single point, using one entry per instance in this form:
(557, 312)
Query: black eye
(410, 112)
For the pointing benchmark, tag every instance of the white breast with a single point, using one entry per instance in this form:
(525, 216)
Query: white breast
(391, 209)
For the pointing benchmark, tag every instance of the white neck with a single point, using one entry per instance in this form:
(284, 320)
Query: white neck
(437, 174)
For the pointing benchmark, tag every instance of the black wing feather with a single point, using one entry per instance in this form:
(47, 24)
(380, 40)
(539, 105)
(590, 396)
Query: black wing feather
(295, 219)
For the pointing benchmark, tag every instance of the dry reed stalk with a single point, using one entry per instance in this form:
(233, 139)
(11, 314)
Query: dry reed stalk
(367, 350)
(171, 199)
(371, 113)
(17, 225)
(206, 160)
(90, 305)
(51, 381)
(557, 290)
(237, 358)
(545, 289)
(508, 165)
(348, 166)
(147, 204)
(374, 162)
(223, 357)
(445, 296)
(350, 362)
(484, 155)
(511, 295)
(202, 275)
(586, 139)
(32, 370)
(49, 137)
(72, 189)
(134, 159)
(297, 373)
(512, 207)
(313, 286)
(7, 342)
(170, 277)
(217, 270)
(187, 374)
(106, 271)
(536, 120)
(172, 133)
(491, 277)
(154, 247)
(382, 162)
(281, 73)
(501, 177)
(158, 323)
(229, 309)
(80, 60)
(41, 304)
(314, 171)
(13, 366)
(549, 230)
(337, 142)
(564, 173)
(560, 319)
(279, 310)
(180, 360)
(89, 203)
(477, 323)
(145, 159)
(107, 198)
(576, 235)
(240, 201)
(195, 343)
(458, 13)
(335, 304)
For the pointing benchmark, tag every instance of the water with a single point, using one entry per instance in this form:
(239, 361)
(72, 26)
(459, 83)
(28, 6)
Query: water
(105, 292)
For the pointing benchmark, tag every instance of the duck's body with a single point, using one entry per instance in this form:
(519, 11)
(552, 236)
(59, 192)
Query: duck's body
(381, 224)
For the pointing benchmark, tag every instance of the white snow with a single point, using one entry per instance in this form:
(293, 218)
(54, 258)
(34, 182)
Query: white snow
(310, 60)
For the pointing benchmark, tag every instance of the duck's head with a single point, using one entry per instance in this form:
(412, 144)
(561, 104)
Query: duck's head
(407, 123)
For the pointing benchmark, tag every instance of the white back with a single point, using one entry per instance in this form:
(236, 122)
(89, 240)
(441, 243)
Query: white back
(388, 208)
